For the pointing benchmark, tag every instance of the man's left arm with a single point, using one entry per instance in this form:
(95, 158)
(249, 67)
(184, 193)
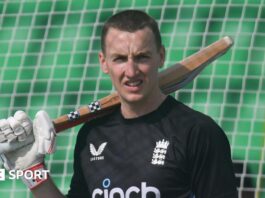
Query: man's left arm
(211, 167)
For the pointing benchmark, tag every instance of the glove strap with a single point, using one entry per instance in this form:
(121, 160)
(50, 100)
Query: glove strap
(40, 174)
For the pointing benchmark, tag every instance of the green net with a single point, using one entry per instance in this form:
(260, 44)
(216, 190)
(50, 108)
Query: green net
(48, 60)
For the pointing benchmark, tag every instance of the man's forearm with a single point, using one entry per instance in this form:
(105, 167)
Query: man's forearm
(47, 189)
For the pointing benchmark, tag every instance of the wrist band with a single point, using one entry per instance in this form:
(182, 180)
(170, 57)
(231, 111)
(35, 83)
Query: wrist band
(35, 175)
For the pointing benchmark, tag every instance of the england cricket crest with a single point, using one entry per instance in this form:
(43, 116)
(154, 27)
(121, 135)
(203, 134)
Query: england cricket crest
(159, 153)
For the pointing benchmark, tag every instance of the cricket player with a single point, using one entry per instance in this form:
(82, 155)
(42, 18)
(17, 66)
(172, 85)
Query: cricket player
(151, 146)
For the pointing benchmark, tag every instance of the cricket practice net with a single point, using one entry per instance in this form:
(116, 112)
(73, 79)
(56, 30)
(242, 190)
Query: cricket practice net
(49, 60)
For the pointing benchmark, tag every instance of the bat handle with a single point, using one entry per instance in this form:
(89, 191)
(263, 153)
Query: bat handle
(94, 110)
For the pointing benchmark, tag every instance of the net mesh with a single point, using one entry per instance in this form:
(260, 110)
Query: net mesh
(48, 60)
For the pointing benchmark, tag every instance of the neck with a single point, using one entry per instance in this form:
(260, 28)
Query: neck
(137, 109)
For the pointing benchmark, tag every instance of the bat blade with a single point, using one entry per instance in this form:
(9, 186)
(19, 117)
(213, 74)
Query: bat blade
(170, 80)
(180, 74)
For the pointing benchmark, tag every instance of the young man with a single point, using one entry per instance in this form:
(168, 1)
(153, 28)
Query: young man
(153, 145)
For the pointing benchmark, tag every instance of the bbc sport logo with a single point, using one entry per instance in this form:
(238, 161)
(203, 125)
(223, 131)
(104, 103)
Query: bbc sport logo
(28, 174)
(2, 175)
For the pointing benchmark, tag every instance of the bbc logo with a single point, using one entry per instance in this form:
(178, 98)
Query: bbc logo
(2, 175)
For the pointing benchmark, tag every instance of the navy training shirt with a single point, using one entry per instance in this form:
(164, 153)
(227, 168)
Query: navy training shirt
(172, 152)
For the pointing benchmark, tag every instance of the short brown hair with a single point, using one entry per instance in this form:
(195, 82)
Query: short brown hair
(131, 21)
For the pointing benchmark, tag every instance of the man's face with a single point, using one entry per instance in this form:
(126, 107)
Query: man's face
(132, 61)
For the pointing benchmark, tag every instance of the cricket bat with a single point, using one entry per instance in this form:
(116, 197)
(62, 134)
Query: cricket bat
(170, 80)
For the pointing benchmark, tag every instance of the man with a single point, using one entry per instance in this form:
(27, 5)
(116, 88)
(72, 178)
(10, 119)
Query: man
(152, 146)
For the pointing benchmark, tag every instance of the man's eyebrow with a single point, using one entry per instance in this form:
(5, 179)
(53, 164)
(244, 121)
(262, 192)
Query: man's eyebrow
(144, 53)
(147, 52)
(117, 55)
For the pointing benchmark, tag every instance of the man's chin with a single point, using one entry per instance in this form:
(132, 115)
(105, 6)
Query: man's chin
(133, 98)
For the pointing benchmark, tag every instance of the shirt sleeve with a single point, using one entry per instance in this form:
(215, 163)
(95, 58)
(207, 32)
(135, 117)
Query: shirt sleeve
(210, 163)
(78, 187)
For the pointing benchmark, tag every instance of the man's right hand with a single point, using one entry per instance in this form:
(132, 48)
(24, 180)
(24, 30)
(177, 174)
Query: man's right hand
(23, 144)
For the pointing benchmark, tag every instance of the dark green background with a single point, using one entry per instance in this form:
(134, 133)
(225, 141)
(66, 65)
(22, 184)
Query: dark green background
(48, 60)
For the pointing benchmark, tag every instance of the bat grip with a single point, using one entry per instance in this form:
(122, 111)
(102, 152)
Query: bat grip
(86, 113)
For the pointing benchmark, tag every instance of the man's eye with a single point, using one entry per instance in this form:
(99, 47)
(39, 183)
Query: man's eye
(142, 58)
(119, 59)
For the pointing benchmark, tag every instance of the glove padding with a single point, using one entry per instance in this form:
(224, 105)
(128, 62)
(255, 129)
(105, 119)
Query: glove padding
(23, 144)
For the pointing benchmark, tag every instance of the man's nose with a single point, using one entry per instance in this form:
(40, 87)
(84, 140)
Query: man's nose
(131, 69)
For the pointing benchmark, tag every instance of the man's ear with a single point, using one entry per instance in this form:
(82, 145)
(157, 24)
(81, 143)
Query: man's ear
(162, 53)
(103, 63)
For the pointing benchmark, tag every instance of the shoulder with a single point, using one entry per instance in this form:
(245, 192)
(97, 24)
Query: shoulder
(188, 116)
(194, 124)
(100, 122)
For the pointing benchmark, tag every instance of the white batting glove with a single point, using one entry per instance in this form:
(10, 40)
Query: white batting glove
(23, 144)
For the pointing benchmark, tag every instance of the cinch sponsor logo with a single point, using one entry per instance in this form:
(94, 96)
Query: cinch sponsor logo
(28, 174)
(133, 190)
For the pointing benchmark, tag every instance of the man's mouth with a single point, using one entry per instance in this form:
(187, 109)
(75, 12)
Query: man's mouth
(134, 83)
